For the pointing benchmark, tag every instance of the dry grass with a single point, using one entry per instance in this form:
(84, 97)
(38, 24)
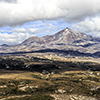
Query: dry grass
(75, 72)
(68, 81)
(7, 74)
(24, 76)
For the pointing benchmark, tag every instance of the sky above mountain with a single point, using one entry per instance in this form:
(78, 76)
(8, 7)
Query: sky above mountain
(21, 19)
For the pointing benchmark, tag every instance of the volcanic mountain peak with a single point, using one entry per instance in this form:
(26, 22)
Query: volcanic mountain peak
(64, 36)
(68, 36)
(65, 31)
(68, 31)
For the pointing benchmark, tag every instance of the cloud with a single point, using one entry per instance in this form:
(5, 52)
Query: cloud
(32, 30)
(13, 38)
(31, 10)
(9, 1)
(19, 30)
(23, 30)
(18, 35)
(91, 26)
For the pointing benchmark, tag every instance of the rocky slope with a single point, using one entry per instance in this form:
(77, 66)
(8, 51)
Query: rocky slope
(65, 39)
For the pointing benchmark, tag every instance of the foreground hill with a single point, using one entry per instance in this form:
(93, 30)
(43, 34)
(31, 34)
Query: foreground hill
(33, 78)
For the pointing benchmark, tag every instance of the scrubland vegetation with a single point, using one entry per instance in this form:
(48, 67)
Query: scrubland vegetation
(43, 79)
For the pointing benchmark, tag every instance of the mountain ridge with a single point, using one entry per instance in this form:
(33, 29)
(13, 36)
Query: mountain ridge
(65, 39)
(64, 35)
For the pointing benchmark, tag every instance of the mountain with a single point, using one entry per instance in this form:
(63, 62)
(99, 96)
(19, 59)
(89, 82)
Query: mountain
(65, 40)
(65, 36)
(68, 36)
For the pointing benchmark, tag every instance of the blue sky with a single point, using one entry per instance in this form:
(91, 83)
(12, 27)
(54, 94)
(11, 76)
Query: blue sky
(34, 28)
(44, 27)
(21, 19)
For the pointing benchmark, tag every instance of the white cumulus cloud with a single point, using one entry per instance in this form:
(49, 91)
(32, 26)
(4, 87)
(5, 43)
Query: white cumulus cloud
(30, 10)
(17, 36)
(91, 26)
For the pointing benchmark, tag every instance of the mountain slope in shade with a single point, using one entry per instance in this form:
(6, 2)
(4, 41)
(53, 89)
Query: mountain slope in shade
(65, 39)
